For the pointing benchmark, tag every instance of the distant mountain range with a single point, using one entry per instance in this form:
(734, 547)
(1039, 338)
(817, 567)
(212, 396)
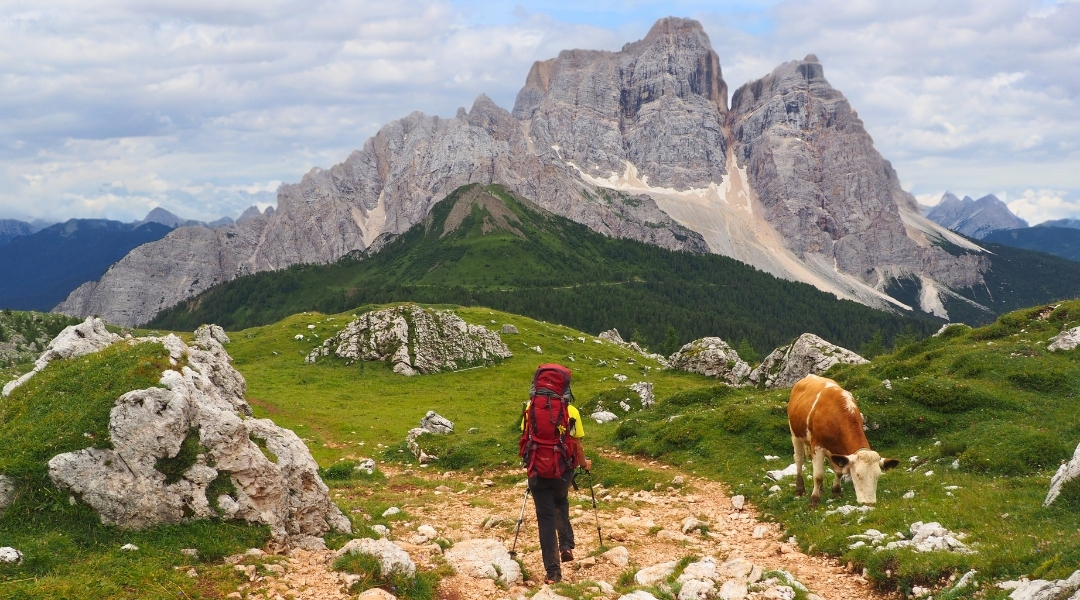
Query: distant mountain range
(40, 266)
(974, 218)
(990, 220)
(40, 269)
(486, 246)
(643, 143)
(1060, 241)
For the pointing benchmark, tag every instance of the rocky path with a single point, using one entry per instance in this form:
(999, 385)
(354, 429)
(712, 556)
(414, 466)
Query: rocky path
(649, 525)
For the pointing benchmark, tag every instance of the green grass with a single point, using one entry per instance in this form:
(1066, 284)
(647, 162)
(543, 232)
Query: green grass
(347, 411)
(992, 401)
(68, 552)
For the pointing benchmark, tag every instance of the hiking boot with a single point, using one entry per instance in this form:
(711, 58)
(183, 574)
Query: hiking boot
(552, 579)
(567, 555)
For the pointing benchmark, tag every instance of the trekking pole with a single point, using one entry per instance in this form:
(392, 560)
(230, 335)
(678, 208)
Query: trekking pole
(521, 519)
(595, 513)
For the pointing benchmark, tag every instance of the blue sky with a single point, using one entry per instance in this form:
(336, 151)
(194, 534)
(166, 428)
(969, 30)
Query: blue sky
(109, 108)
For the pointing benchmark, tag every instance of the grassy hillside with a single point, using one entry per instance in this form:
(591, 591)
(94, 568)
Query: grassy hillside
(487, 247)
(989, 413)
(68, 553)
(980, 419)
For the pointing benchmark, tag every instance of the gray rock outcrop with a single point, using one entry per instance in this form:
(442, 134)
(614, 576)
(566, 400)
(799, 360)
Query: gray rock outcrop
(974, 218)
(712, 357)
(1066, 340)
(202, 403)
(484, 559)
(75, 340)
(508, 329)
(415, 340)
(432, 423)
(807, 355)
(1067, 472)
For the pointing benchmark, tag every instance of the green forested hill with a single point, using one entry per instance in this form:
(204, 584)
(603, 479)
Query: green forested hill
(483, 246)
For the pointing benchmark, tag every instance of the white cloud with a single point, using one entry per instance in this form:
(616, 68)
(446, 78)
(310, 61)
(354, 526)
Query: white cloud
(193, 103)
(1036, 206)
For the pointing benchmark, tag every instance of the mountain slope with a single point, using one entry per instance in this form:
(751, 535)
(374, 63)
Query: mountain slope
(1059, 241)
(974, 218)
(487, 246)
(637, 144)
(40, 269)
(11, 229)
(1070, 223)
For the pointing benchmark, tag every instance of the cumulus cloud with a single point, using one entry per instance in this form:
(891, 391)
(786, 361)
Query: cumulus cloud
(193, 104)
(1036, 206)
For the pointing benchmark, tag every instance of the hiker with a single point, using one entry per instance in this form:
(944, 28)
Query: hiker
(551, 449)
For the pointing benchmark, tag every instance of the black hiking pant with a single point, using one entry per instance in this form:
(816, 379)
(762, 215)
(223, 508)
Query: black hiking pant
(553, 519)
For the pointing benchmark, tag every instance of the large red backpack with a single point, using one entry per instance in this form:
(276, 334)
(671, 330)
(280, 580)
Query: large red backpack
(546, 424)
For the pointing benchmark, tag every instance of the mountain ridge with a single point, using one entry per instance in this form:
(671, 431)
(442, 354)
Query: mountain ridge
(640, 144)
(486, 246)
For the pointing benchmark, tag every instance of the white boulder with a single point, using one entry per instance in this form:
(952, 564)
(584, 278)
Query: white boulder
(637, 595)
(650, 575)
(1065, 473)
(1041, 589)
(808, 354)
(712, 357)
(1066, 340)
(200, 403)
(76, 340)
(10, 556)
(696, 589)
(603, 416)
(618, 556)
(484, 559)
(508, 328)
(391, 558)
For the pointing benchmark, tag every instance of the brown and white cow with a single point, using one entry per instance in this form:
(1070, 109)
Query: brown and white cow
(825, 422)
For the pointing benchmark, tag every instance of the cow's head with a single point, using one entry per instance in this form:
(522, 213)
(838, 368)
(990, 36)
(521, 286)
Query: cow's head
(865, 467)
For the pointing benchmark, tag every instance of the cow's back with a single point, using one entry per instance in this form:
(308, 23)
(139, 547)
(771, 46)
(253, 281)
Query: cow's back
(825, 415)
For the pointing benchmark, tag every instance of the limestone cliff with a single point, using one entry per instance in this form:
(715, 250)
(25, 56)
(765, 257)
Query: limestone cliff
(638, 143)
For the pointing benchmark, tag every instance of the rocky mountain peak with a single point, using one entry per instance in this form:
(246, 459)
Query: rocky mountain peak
(974, 218)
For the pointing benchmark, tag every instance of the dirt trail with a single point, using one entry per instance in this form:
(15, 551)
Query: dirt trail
(648, 524)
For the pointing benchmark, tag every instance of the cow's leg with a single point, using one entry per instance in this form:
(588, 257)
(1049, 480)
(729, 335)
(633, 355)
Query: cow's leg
(819, 475)
(800, 456)
(836, 491)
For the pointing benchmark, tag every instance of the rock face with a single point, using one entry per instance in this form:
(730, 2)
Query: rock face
(833, 199)
(76, 340)
(638, 143)
(261, 472)
(415, 340)
(712, 357)
(1067, 472)
(974, 218)
(10, 556)
(807, 355)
